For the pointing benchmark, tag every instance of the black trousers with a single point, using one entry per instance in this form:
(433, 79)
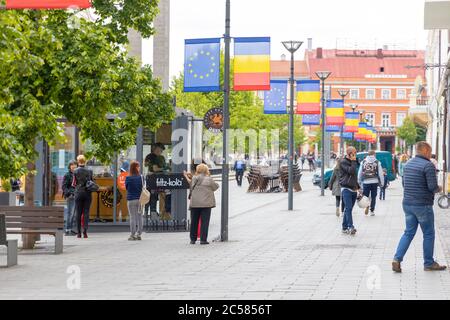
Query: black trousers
(196, 214)
(239, 176)
(83, 205)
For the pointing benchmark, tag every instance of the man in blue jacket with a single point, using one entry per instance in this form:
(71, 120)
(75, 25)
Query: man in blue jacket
(420, 185)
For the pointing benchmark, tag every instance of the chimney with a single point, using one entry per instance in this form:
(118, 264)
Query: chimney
(380, 54)
(283, 57)
(319, 53)
(309, 44)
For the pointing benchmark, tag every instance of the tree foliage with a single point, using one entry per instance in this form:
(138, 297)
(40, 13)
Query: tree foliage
(51, 70)
(408, 131)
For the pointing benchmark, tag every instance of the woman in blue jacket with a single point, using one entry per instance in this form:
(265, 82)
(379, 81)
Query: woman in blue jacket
(134, 183)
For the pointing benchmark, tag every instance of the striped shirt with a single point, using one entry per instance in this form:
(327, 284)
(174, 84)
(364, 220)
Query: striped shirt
(419, 182)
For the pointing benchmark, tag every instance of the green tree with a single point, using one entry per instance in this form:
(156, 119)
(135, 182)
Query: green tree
(421, 133)
(50, 70)
(408, 132)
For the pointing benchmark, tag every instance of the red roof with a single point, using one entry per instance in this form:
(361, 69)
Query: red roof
(282, 69)
(359, 63)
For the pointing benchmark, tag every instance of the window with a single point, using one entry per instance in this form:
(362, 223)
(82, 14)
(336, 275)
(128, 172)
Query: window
(401, 94)
(370, 94)
(354, 94)
(400, 118)
(370, 118)
(386, 94)
(386, 120)
(381, 69)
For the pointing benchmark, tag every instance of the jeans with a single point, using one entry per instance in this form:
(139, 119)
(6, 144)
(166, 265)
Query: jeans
(370, 190)
(69, 214)
(196, 214)
(349, 198)
(415, 216)
(239, 176)
(382, 193)
(134, 210)
(83, 205)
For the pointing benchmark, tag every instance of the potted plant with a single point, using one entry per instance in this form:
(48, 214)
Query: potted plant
(7, 197)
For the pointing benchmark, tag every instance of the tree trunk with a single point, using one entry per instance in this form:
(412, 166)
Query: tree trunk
(29, 240)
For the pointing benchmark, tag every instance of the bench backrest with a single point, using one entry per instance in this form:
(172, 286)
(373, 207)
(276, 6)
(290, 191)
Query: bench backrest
(2, 230)
(33, 217)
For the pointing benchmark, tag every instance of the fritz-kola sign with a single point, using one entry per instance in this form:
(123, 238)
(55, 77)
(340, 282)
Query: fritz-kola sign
(167, 181)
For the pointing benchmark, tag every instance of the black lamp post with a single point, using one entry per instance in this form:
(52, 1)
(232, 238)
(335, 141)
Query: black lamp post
(343, 93)
(291, 46)
(323, 75)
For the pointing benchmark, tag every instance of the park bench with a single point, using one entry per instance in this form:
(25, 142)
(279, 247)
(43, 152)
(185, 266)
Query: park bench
(31, 221)
(11, 254)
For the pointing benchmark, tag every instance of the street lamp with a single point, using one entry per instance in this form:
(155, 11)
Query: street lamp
(323, 75)
(343, 93)
(291, 46)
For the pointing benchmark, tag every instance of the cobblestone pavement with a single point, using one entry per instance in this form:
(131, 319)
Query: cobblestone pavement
(272, 254)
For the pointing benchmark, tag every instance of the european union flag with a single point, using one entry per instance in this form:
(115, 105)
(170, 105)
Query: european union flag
(347, 135)
(202, 65)
(333, 129)
(311, 119)
(275, 99)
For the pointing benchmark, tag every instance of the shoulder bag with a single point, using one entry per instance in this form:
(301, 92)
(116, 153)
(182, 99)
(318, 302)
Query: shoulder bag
(145, 194)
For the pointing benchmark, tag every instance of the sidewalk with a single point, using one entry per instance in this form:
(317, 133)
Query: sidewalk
(272, 254)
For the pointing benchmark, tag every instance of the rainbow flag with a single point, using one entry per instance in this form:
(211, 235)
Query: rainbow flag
(47, 4)
(308, 97)
(251, 64)
(351, 122)
(335, 112)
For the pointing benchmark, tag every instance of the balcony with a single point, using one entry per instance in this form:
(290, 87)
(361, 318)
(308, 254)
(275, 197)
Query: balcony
(419, 110)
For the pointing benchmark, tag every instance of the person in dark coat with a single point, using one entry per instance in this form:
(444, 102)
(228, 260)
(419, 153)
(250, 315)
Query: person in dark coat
(349, 188)
(83, 197)
(335, 187)
(69, 195)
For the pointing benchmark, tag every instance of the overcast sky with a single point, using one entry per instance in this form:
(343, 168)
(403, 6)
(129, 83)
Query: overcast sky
(370, 23)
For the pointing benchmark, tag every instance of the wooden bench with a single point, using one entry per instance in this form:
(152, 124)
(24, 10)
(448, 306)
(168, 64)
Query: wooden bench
(36, 221)
(11, 255)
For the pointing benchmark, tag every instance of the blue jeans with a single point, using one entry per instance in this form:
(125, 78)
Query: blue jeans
(415, 216)
(349, 198)
(69, 214)
(370, 190)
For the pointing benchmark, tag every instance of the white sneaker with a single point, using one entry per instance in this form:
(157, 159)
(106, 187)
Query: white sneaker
(372, 213)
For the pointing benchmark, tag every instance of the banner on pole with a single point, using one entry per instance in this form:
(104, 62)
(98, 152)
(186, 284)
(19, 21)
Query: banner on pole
(347, 135)
(308, 97)
(47, 4)
(311, 119)
(202, 65)
(275, 99)
(351, 122)
(333, 128)
(335, 112)
(252, 64)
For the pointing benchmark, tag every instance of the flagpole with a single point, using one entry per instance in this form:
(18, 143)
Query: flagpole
(226, 125)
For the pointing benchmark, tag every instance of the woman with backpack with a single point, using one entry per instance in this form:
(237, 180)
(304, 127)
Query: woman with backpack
(83, 196)
(202, 200)
(134, 184)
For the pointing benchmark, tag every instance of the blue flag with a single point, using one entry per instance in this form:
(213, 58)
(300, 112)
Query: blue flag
(202, 65)
(347, 135)
(275, 99)
(333, 129)
(311, 119)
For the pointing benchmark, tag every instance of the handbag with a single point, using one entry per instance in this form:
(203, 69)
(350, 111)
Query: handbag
(145, 194)
(91, 186)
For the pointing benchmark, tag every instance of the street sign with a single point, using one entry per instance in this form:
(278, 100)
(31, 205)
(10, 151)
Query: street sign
(437, 15)
(170, 181)
(47, 4)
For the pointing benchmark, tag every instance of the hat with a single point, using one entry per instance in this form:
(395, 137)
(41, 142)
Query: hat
(159, 145)
(125, 166)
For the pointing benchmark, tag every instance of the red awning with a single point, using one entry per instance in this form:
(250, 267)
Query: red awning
(47, 4)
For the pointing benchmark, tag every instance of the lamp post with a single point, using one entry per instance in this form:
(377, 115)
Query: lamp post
(368, 144)
(323, 75)
(291, 46)
(343, 93)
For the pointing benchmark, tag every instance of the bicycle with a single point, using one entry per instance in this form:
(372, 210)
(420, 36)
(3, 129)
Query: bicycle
(444, 201)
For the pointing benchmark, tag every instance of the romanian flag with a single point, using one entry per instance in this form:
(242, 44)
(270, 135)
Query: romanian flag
(351, 122)
(308, 97)
(362, 132)
(47, 4)
(251, 64)
(335, 113)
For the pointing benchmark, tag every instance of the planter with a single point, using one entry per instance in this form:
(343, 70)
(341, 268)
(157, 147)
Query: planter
(7, 198)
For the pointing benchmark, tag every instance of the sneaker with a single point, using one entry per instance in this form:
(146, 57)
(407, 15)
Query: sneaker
(138, 237)
(372, 213)
(204, 242)
(85, 235)
(192, 242)
(79, 235)
(435, 267)
(131, 238)
(396, 267)
(345, 231)
(366, 212)
(352, 231)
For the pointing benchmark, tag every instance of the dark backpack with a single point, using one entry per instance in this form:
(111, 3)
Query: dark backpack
(370, 169)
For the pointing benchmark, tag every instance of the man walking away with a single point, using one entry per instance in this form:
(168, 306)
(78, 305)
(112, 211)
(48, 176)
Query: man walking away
(384, 186)
(349, 188)
(239, 168)
(370, 176)
(420, 185)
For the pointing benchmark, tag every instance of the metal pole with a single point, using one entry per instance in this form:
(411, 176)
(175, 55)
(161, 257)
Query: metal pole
(226, 125)
(115, 164)
(322, 162)
(291, 139)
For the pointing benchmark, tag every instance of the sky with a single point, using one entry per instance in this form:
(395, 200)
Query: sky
(330, 23)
